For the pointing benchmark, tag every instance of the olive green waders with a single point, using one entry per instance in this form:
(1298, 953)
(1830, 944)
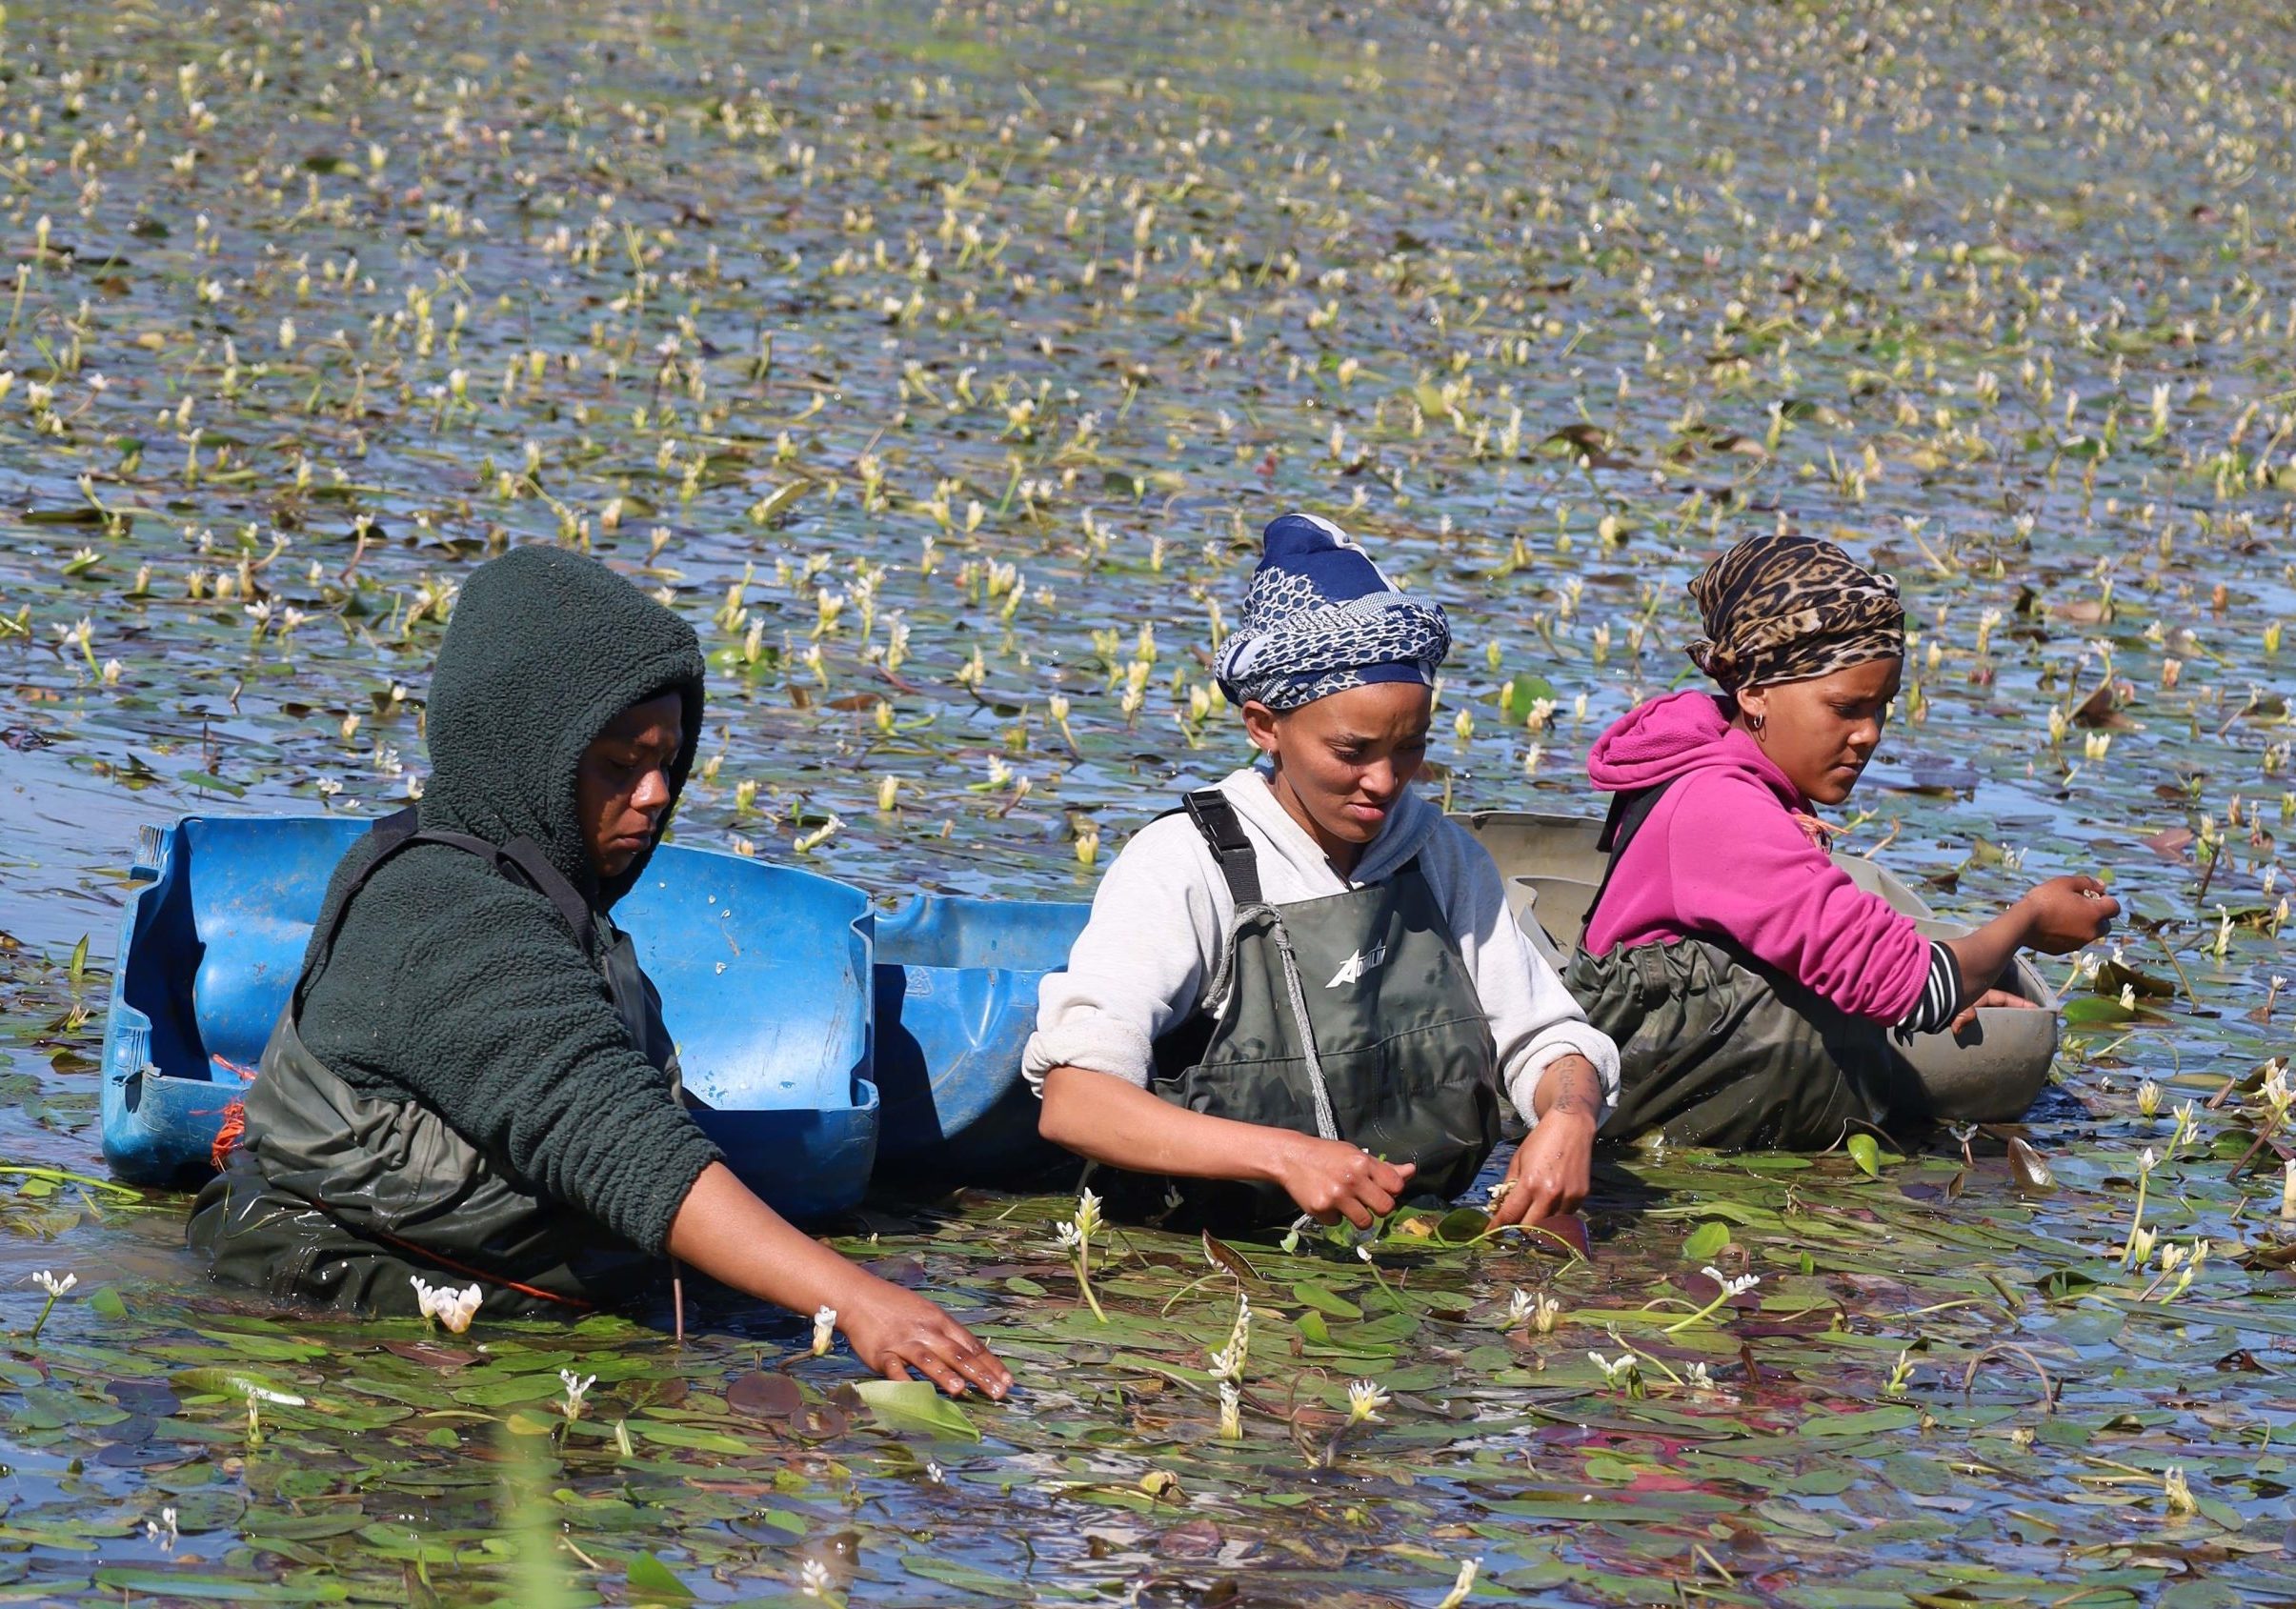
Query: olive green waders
(1349, 1017)
(342, 1199)
(1718, 1050)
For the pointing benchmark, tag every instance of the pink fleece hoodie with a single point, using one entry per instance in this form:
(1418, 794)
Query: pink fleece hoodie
(1722, 853)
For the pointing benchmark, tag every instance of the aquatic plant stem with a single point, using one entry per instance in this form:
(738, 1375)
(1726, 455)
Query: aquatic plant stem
(1084, 1279)
(2191, 994)
(1526, 1230)
(46, 1308)
(2250, 1156)
(1656, 1362)
(2129, 1246)
(59, 1175)
(1706, 1311)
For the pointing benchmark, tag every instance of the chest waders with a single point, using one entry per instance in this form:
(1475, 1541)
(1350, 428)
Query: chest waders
(340, 1198)
(1350, 1016)
(1717, 1049)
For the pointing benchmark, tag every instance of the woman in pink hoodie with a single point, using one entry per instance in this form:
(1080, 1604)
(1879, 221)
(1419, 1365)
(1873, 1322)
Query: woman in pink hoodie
(1751, 987)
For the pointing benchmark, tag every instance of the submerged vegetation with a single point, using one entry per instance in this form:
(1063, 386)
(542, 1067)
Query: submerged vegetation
(941, 365)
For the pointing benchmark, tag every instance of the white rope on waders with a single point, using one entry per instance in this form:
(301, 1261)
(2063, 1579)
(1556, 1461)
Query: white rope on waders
(1327, 1125)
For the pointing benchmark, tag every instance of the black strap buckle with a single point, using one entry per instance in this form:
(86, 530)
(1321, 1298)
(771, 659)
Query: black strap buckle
(1222, 829)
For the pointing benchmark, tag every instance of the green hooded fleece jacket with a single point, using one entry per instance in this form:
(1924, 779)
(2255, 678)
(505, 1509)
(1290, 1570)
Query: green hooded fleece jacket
(456, 986)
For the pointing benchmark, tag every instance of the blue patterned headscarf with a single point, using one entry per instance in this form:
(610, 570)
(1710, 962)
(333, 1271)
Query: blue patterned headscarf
(1320, 618)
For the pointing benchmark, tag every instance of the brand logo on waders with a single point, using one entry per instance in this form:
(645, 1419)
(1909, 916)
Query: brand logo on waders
(1356, 965)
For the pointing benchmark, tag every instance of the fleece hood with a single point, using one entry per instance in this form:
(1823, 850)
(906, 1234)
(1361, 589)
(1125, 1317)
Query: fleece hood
(545, 649)
(1669, 737)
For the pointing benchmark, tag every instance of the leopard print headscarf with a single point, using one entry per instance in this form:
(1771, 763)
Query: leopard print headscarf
(1781, 608)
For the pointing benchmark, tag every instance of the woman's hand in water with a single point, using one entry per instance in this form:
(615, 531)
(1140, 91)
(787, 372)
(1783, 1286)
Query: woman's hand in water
(1331, 1180)
(1553, 1167)
(2067, 913)
(727, 1233)
(1552, 1170)
(893, 1331)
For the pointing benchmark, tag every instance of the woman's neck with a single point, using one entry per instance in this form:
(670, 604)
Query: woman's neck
(1344, 855)
(1802, 800)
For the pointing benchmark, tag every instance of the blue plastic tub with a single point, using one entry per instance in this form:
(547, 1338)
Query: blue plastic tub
(956, 1001)
(761, 970)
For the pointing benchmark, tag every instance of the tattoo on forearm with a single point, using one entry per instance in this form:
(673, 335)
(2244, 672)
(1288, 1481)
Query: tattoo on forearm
(1579, 1090)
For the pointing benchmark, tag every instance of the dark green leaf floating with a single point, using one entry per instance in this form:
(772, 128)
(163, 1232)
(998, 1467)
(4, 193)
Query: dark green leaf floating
(651, 1582)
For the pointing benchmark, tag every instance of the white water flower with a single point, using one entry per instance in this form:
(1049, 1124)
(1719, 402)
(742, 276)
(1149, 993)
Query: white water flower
(1697, 1379)
(1364, 1400)
(815, 1575)
(54, 1286)
(162, 1530)
(2275, 1090)
(1731, 1286)
(2179, 1492)
(1624, 1372)
(2187, 1125)
(449, 1306)
(1065, 1233)
(578, 1387)
(1231, 1412)
(2148, 1161)
(1520, 1308)
(1546, 1313)
(1227, 1363)
(825, 1329)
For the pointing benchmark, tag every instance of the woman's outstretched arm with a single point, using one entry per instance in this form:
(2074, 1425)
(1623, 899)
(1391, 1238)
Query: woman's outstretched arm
(726, 1232)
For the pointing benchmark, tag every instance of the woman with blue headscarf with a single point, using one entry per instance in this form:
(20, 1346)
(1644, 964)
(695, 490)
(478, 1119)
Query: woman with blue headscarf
(1301, 991)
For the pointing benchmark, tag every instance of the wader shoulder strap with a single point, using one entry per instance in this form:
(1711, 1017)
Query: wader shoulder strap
(1216, 819)
(1629, 808)
(521, 857)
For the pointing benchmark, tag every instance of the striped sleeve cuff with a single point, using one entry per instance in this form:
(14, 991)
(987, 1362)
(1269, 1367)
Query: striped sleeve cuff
(1943, 997)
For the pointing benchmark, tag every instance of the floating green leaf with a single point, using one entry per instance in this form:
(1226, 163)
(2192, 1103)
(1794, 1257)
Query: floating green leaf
(1866, 1151)
(651, 1582)
(916, 1405)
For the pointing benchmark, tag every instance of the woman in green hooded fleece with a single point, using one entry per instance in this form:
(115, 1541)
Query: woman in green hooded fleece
(472, 1078)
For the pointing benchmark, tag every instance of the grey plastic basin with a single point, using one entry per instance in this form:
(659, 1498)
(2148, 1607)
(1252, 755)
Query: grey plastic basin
(1990, 1074)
